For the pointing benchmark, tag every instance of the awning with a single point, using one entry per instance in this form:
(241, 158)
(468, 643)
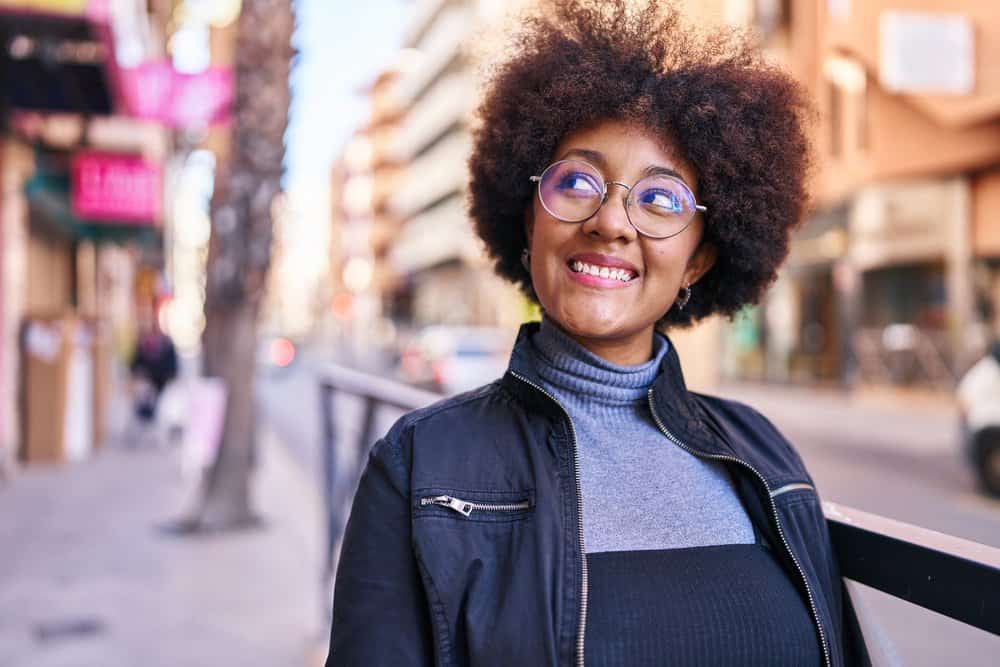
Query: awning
(49, 207)
(53, 62)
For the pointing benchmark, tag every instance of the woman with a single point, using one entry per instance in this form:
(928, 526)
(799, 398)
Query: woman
(630, 175)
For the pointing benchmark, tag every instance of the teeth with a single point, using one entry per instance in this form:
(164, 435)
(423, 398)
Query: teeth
(602, 271)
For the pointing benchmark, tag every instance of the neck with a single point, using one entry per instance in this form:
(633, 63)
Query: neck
(629, 350)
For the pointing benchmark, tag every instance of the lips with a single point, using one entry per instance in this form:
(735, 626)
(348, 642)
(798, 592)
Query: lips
(603, 266)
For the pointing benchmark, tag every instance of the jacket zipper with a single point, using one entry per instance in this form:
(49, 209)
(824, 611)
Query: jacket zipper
(774, 512)
(466, 508)
(791, 487)
(582, 625)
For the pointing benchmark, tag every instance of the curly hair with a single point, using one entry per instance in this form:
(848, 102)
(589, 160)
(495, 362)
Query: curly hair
(737, 119)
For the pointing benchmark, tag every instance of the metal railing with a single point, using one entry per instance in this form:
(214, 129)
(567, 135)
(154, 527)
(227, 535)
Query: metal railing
(954, 577)
(951, 576)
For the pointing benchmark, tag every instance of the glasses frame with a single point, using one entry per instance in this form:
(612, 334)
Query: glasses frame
(698, 208)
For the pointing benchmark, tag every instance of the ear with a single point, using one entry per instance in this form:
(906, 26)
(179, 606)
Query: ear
(700, 262)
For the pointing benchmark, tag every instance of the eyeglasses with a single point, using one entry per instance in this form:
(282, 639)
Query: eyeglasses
(657, 206)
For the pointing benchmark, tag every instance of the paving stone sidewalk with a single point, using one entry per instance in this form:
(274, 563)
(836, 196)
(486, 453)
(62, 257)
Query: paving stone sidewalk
(87, 578)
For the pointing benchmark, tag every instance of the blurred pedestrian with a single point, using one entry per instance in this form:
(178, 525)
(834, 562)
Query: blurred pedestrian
(632, 174)
(153, 366)
(979, 402)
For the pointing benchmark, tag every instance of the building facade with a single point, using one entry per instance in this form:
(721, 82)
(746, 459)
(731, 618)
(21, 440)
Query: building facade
(89, 101)
(893, 277)
(891, 280)
(428, 264)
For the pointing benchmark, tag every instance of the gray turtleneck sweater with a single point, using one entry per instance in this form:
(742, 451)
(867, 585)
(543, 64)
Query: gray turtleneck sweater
(640, 490)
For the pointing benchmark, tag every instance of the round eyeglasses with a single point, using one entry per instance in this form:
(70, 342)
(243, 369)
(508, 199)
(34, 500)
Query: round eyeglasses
(658, 206)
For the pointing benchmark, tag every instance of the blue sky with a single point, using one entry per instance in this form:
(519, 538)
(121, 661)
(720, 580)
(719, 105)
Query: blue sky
(342, 45)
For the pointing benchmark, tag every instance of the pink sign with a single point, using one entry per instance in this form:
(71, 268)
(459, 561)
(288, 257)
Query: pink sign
(155, 91)
(116, 188)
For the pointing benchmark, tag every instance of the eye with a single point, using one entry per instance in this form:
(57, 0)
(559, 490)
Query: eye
(660, 201)
(578, 183)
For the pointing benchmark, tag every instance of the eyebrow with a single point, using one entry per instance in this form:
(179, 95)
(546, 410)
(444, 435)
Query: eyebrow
(598, 159)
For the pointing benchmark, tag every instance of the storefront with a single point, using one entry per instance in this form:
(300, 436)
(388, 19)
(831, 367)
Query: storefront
(92, 217)
(81, 207)
(911, 246)
(797, 334)
(52, 62)
(986, 250)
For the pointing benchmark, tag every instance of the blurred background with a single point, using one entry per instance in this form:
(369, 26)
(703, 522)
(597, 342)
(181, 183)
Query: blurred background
(209, 209)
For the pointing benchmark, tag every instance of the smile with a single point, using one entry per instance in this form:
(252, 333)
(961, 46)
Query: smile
(606, 272)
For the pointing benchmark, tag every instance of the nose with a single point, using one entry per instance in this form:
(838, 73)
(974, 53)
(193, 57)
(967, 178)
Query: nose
(611, 220)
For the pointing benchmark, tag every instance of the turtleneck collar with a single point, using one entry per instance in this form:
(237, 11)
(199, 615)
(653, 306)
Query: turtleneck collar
(580, 374)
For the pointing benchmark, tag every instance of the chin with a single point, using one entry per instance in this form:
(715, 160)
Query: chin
(589, 324)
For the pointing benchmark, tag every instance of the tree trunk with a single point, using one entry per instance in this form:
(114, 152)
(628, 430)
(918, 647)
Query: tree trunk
(240, 249)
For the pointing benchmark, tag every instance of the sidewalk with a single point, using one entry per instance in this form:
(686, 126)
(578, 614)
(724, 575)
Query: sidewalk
(88, 578)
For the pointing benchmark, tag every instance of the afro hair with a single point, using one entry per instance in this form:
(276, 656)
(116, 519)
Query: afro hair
(740, 121)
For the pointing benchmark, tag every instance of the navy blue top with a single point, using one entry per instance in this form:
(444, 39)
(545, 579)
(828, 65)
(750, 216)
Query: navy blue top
(729, 604)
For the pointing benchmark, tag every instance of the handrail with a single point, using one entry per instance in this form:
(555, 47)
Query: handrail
(374, 391)
(952, 576)
(946, 574)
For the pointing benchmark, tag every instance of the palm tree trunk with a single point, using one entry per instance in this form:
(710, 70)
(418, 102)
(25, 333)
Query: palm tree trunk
(240, 248)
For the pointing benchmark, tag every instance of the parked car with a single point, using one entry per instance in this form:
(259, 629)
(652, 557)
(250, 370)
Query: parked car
(979, 403)
(452, 359)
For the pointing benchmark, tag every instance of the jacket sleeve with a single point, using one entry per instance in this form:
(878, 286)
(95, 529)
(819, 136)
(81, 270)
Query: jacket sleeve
(380, 612)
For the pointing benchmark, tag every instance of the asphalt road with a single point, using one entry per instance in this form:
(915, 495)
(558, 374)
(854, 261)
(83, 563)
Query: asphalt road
(896, 459)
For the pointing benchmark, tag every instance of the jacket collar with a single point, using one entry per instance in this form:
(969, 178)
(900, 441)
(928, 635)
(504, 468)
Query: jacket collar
(674, 404)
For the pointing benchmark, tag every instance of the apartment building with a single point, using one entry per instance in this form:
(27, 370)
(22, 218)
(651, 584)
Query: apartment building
(428, 264)
(895, 277)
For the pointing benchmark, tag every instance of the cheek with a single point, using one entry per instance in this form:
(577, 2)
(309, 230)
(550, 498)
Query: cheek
(546, 236)
(669, 258)
(666, 263)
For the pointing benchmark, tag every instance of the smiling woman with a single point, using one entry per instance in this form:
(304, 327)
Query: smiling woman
(630, 174)
(651, 237)
(732, 123)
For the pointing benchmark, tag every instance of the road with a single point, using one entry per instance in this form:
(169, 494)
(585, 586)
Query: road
(900, 460)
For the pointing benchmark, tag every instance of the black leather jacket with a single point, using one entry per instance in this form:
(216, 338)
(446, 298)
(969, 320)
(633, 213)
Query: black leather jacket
(464, 542)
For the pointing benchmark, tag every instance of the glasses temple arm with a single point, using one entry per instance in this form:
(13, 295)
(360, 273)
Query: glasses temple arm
(699, 207)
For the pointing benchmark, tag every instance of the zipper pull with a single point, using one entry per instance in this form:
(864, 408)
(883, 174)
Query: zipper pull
(460, 506)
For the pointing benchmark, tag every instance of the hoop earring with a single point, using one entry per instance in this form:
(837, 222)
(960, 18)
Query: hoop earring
(683, 301)
(526, 260)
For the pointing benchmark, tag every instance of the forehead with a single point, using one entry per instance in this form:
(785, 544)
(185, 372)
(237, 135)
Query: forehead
(624, 149)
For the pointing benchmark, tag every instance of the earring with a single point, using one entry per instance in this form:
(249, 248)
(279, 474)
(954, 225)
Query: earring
(526, 260)
(683, 301)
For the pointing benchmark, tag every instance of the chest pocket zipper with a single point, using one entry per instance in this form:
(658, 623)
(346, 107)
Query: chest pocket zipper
(466, 507)
(792, 487)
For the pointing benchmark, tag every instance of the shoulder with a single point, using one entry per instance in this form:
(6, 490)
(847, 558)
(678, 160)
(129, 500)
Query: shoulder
(735, 410)
(476, 410)
(751, 430)
(451, 409)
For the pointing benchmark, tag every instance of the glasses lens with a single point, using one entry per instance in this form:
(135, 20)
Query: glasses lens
(661, 206)
(571, 190)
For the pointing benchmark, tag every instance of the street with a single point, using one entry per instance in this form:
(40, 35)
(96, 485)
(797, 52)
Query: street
(898, 460)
